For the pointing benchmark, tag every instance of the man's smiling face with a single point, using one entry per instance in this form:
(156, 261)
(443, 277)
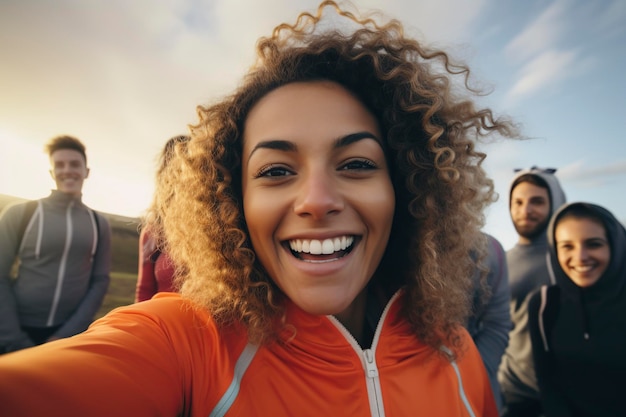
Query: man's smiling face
(68, 170)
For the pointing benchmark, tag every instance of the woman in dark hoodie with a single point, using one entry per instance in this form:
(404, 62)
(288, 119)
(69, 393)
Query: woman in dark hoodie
(578, 326)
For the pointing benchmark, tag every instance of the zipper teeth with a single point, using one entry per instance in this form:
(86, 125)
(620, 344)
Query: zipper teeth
(69, 231)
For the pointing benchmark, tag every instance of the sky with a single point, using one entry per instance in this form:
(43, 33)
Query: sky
(124, 76)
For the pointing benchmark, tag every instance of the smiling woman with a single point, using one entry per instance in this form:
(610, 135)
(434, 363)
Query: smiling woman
(577, 325)
(323, 216)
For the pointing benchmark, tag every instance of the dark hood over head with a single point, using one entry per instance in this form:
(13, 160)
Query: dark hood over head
(611, 283)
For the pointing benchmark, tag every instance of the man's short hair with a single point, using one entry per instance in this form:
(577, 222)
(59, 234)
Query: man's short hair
(65, 142)
(533, 179)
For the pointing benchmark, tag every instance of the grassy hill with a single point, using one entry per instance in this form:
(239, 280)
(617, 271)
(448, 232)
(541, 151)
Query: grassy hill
(124, 251)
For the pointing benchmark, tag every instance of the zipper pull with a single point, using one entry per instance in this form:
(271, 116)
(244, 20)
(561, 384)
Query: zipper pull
(370, 363)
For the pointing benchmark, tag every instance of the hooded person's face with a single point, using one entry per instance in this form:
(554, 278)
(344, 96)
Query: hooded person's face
(582, 249)
(530, 209)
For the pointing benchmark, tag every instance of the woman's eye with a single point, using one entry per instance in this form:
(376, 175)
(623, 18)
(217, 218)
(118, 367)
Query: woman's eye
(273, 171)
(359, 164)
(595, 245)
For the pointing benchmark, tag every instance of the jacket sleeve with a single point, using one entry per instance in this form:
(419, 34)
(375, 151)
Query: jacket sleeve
(11, 336)
(479, 393)
(494, 322)
(124, 365)
(98, 285)
(552, 400)
(146, 280)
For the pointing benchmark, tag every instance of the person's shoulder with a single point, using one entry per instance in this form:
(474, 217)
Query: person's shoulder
(17, 206)
(104, 220)
(527, 251)
(168, 309)
(468, 355)
(492, 240)
(104, 225)
(15, 210)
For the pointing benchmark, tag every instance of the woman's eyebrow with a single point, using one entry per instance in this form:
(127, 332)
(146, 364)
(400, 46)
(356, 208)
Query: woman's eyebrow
(287, 146)
(355, 137)
(276, 144)
(596, 239)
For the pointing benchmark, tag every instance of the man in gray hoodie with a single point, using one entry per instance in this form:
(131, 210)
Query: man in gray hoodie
(55, 257)
(535, 194)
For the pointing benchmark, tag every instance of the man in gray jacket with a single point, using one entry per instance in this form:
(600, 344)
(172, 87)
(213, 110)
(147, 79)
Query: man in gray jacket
(55, 257)
(535, 194)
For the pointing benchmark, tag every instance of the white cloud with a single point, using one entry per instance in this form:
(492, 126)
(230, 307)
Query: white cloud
(545, 31)
(610, 20)
(552, 48)
(549, 67)
(587, 176)
(444, 21)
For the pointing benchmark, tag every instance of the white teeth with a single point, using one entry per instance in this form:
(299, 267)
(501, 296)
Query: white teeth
(319, 247)
(584, 268)
(328, 247)
(315, 247)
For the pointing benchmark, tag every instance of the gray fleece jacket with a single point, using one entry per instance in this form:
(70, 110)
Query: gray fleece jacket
(528, 270)
(64, 270)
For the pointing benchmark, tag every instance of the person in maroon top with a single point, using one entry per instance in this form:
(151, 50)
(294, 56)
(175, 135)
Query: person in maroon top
(156, 270)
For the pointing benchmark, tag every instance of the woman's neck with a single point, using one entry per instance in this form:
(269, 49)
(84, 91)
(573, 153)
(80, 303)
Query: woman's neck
(353, 317)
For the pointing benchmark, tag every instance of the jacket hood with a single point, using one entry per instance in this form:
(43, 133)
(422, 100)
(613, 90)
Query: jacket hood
(557, 195)
(610, 286)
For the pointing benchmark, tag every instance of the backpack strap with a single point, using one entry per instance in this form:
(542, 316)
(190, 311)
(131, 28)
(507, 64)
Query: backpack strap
(155, 255)
(542, 309)
(548, 309)
(95, 223)
(29, 210)
(96, 217)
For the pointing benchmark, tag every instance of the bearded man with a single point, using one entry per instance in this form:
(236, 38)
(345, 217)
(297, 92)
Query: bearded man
(535, 194)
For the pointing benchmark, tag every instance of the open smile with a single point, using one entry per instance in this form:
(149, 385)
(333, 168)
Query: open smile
(581, 269)
(315, 250)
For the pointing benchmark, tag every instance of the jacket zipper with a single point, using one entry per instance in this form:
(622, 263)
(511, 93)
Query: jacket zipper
(63, 264)
(368, 360)
(373, 383)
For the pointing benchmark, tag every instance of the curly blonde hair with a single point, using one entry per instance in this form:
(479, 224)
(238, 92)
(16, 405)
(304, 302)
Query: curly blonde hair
(152, 219)
(430, 137)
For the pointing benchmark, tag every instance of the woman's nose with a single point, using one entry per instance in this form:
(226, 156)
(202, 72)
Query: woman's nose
(581, 254)
(318, 196)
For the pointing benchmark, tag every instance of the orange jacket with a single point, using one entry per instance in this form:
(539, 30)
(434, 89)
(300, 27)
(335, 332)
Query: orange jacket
(165, 358)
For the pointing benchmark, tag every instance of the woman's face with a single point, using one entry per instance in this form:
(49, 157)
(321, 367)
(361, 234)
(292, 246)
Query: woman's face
(317, 194)
(582, 249)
